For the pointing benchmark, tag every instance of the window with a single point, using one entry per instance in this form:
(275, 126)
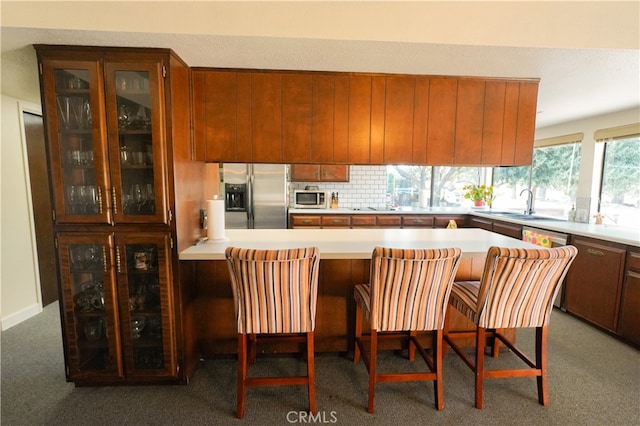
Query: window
(620, 185)
(440, 186)
(553, 179)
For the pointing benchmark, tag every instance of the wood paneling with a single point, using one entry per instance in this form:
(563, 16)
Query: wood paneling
(526, 123)
(323, 118)
(335, 317)
(296, 117)
(469, 117)
(442, 120)
(420, 120)
(359, 119)
(399, 120)
(266, 117)
(493, 121)
(510, 125)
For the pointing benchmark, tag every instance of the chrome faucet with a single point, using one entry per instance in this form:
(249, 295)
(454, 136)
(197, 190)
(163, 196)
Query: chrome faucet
(529, 209)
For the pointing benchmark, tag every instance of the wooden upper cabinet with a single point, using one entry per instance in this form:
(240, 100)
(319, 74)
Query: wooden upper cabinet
(319, 173)
(266, 117)
(493, 122)
(441, 121)
(221, 114)
(469, 121)
(420, 120)
(526, 127)
(399, 119)
(329, 118)
(357, 118)
(323, 117)
(296, 117)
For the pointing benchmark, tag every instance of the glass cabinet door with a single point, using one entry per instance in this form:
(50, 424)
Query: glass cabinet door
(74, 107)
(136, 138)
(88, 298)
(143, 264)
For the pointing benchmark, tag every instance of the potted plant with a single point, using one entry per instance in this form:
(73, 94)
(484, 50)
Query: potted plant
(480, 195)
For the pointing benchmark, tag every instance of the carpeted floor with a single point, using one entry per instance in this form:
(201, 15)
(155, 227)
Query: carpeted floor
(593, 380)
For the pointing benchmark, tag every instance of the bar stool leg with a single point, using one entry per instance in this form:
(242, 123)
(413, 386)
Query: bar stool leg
(242, 375)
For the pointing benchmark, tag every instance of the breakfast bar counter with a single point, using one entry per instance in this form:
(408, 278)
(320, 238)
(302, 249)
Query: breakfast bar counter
(351, 243)
(344, 262)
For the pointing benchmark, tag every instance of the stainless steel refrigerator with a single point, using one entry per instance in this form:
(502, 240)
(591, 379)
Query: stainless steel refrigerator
(255, 195)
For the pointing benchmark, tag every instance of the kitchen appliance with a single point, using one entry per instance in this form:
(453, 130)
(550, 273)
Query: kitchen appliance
(309, 199)
(255, 195)
(555, 239)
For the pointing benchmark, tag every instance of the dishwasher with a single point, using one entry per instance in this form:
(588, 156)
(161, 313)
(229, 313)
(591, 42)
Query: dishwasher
(545, 238)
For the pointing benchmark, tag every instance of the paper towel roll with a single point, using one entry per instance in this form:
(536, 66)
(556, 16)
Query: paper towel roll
(215, 220)
(423, 198)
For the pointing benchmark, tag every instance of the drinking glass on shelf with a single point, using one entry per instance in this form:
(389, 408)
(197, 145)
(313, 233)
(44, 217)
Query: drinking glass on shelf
(72, 198)
(64, 109)
(77, 108)
(137, 324)
(75, 157)
(91, 199)
(139, 196)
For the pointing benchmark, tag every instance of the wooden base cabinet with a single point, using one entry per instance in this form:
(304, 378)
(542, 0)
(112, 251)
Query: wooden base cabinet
(629, 324)
(592, 287)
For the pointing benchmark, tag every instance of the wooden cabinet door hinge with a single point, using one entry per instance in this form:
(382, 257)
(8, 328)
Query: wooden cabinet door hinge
(53, 215)
(55, 241)
(41, 68)
(164, 71)
(171, 241)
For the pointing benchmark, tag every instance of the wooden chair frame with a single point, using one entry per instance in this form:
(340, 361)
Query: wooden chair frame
(275, 295)
(447, 261)
(563, 256)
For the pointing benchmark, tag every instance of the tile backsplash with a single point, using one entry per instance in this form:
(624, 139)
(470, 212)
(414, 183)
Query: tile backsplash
(367, 187)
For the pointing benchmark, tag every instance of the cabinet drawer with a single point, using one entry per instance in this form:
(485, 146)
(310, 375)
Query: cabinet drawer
(508, 229)
(335, 220)
(360, 220)
(388, 220)
(633, 260)
(417, 221)
(305, 220)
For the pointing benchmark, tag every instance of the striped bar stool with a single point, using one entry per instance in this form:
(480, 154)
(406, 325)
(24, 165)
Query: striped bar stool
(275, 294)
(516, 290)
(408, 293)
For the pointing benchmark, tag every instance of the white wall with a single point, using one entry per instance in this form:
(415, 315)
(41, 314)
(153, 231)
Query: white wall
(19, 279)
(586, 200)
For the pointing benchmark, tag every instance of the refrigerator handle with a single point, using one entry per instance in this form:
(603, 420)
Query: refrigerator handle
(249, 200)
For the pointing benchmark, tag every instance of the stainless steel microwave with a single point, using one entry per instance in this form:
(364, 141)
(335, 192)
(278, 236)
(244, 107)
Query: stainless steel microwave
(309, 199)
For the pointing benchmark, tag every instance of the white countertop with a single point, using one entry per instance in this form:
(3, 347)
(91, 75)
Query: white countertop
(397, 210)
(352, 243)
(618, 234)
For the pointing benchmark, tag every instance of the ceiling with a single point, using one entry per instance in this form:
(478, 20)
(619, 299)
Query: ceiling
(584, 70)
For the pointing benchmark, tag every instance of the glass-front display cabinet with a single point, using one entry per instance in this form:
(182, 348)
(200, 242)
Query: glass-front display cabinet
(117, 305)
(106, 141)
(117, 124)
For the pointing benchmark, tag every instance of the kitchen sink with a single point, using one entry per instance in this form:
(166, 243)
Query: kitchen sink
(523, 216)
